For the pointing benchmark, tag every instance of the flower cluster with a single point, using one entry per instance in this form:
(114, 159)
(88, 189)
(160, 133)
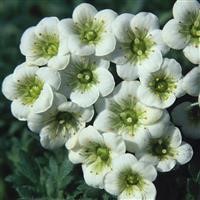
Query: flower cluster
(120, 132)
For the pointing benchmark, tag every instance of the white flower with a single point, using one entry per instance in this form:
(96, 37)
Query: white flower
(30, 89)
(96, 153)
(89, 32)
(43, 45)
(59, 123)
(131, 179)
(85, 79)
(160, 88)
(191, 82)
(187, 116)
(183, 32)
(165, 148)
(140, 44)
(122, 113)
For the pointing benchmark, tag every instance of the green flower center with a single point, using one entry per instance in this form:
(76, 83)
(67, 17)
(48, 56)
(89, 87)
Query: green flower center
(194, 113)
(29, 89)
(90, 32)
(85, 76)
(140, 47)
(126, 115)
(47, 46)
(127, 178)
(162, 85)
(103, 153)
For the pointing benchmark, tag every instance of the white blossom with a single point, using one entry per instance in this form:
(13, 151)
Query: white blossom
(89, 31)
(139, 46)
(131, 179)
(86, 79)
(96, 153)
(30, 89)
(43, 45)
(160, 88)
(183, 32)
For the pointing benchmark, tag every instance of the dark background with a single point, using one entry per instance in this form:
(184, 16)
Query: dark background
(29, 172)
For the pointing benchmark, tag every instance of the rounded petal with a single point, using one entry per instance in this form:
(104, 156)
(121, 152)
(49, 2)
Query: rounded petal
(59, 62)
(147, 171)
(78, 48)
(66, 27)
(135, 193)
(106, 45)
(121, 27)
(127, 71)
(75, 157)
(106, 82)
(182, 8)
(48, 25)
(9, 89)
(83, 13)
(192, 52)
(111, 183)
(185, 153)
(44, 101)
(144, 21)
(86, 98)
(102, 121)
(176, 138)
(166, 165)
(19, 110)
(149, 190)
(87, 114)
(172, 36)
(49, 76)
(90, 135)
(115, 143)
(107, 16)
(148, 158)
(191, 82)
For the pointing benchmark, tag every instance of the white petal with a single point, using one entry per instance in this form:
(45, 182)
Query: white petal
(147, 171)
(63, 46)
(175, 138)
(111, 183)
(144, 21)
(138, 141)
(106, 45)
(86, 98)
(27, 42)
(87, 114)
(127, 71)
(192, 53)
(83, 13)
(19, 110)
(106, 81)
(172, 36)
(152, 115)
(92, 178)
(106, 15)
(149, 158)
(191, 82)
(135, 193)
(102, 121)
(44, 101)
(149, 190)
(182, 8)
(48, 25)
(152, 63)
(172, 68)
(124, 161)
(37, 60)
(156, 36)
(90, 135)
(66, 27)
(50, 76)
(9, 89)
(78, 48)
(59, 62)
(115, 143)
(75, 157)
(166, 165)
(121, 27)
(184, 154)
